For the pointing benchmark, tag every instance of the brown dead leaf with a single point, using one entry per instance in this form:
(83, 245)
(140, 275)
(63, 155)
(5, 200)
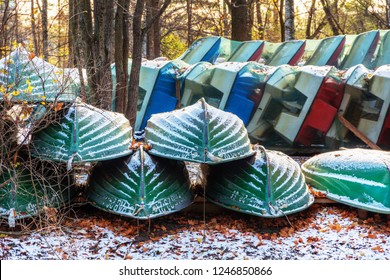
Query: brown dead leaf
(130, 231)
(336, 226)
(312, 239)
(31, 56)
(371, 235)
(192, 222)
(378, 249)
(316, 193)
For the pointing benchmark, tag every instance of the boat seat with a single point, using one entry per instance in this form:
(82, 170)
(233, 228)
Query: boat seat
(320, 118)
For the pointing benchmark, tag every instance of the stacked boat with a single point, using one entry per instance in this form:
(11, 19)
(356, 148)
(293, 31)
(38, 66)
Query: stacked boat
(287, 94)
(206, 108)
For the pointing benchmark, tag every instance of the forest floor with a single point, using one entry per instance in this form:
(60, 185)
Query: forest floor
(324, 231)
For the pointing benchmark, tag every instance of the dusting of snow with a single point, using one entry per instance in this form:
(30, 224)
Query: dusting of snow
(325, 233)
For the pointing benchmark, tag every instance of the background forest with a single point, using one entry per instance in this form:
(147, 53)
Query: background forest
(93, 34)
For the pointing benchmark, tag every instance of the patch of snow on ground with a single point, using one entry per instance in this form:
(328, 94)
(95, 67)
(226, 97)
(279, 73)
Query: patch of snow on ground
(323, 233)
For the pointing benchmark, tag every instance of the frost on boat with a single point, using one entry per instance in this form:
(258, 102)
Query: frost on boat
(356, 177)
(140, 186)
(84, 134)
(25, 194)
(25, 77)
(269, 184)
(198, 133)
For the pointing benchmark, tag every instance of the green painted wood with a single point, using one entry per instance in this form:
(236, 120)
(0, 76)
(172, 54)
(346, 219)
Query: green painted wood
(84, 134)
(356, 177)
(23, 78)
(198, 133)
(269, 184)
(140, 186)
(27, 192)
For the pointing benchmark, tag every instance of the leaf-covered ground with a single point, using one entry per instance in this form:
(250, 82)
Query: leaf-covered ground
(324, 231)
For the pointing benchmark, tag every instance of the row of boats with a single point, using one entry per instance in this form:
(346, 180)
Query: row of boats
(292, 94)
(147, 179)
(67, 150)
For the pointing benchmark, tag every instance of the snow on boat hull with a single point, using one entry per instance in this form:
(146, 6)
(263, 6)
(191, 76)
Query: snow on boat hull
(27, 78)
(198, 133)
(140, 186)
(84, 134)
(356, 177)
(269, 184)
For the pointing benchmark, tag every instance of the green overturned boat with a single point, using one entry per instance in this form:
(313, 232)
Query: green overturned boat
(84, 134)
(355, 177)
(140, 186)
(198, 133)
(24, 194)
(270, 184)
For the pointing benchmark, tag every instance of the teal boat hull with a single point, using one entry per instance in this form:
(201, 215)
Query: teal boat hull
(270, 184)
(355, 177)
(140, 186)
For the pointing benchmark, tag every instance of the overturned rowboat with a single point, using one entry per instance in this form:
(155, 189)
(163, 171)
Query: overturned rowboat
(27, 78)
(198, 133)
(355, 177)
(24, 193)
(83, 136)
(140, 186)
(269, 184)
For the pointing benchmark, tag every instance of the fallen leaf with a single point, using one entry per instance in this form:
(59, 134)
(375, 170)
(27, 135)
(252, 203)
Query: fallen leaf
(378, 248)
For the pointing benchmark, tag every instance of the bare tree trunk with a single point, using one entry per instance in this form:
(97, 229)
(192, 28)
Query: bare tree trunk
(153, 36)
(121, 54)
(45, 36)
(85, 24)
(133, 88)
(75, 44)
(33, 28)
(281, 21)
(225, 20)
(157, 30)
(388, 13)
(310, 19)
(150, 34)
(189, 22)
(138, 35)
(289, 22)
(259, 18)
(103, 53)
(329, 17)
(241, 28)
